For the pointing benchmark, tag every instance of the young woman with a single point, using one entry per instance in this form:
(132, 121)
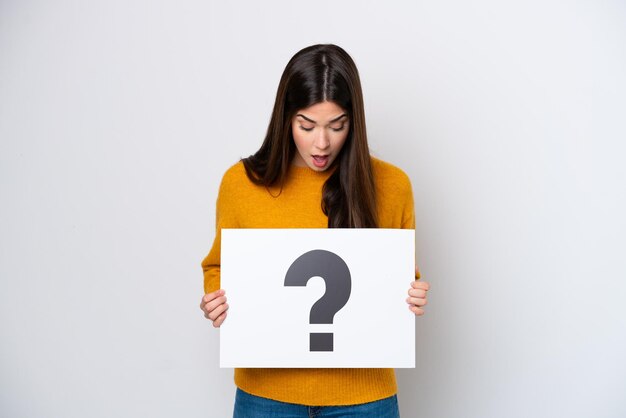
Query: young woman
(313, 170)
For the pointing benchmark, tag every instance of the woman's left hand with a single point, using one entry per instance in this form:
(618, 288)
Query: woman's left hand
(417, 295)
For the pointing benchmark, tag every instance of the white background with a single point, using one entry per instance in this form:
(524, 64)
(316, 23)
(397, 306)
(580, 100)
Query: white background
(118, 119)
(268, 322)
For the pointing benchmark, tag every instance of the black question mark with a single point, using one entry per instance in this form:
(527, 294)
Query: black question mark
(330, 267)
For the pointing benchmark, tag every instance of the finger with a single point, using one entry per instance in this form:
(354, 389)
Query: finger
(416, 301)
(215, 313)
(220, 319)
(417, 293)
(417, 272)
(416, 310)
(210, 296)
(420, 285)
(207, 316)
(214, 304)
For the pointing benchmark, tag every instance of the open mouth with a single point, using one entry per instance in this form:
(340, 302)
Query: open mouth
(320, 160)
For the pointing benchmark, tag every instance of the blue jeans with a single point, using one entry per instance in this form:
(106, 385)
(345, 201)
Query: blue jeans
(251, 406)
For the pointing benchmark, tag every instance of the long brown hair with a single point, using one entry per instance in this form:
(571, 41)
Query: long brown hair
(315, 74)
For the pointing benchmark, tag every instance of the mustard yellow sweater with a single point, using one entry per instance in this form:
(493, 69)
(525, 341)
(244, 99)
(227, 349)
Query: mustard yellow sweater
(242, 204)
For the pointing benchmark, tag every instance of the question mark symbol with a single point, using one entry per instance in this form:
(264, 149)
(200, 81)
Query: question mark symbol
(330, 267)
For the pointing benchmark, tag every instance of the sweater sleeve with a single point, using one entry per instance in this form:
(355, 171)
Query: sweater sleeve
(408, 210)
(225, 217)
(408, 213)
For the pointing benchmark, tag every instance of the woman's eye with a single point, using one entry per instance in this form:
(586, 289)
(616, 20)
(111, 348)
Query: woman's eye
(339, 128)
(306, 129)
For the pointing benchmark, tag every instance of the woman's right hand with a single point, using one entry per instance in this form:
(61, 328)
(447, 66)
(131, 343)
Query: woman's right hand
(214, 307)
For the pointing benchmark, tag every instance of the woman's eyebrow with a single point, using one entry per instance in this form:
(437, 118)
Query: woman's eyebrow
(343, 115)
(339, 117)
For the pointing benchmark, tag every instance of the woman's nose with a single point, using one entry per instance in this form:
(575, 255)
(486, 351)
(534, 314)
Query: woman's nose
(322, 141)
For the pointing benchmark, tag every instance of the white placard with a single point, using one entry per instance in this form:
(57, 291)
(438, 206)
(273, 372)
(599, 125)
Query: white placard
(268, 322)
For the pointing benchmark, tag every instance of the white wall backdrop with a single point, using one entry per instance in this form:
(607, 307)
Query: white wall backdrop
(118, 118)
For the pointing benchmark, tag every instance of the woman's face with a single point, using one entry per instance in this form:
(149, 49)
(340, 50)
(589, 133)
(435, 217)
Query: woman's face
(319, 132)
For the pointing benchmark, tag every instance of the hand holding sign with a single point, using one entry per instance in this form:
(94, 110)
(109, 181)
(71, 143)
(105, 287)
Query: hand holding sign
(417, 295)
(214, 307)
